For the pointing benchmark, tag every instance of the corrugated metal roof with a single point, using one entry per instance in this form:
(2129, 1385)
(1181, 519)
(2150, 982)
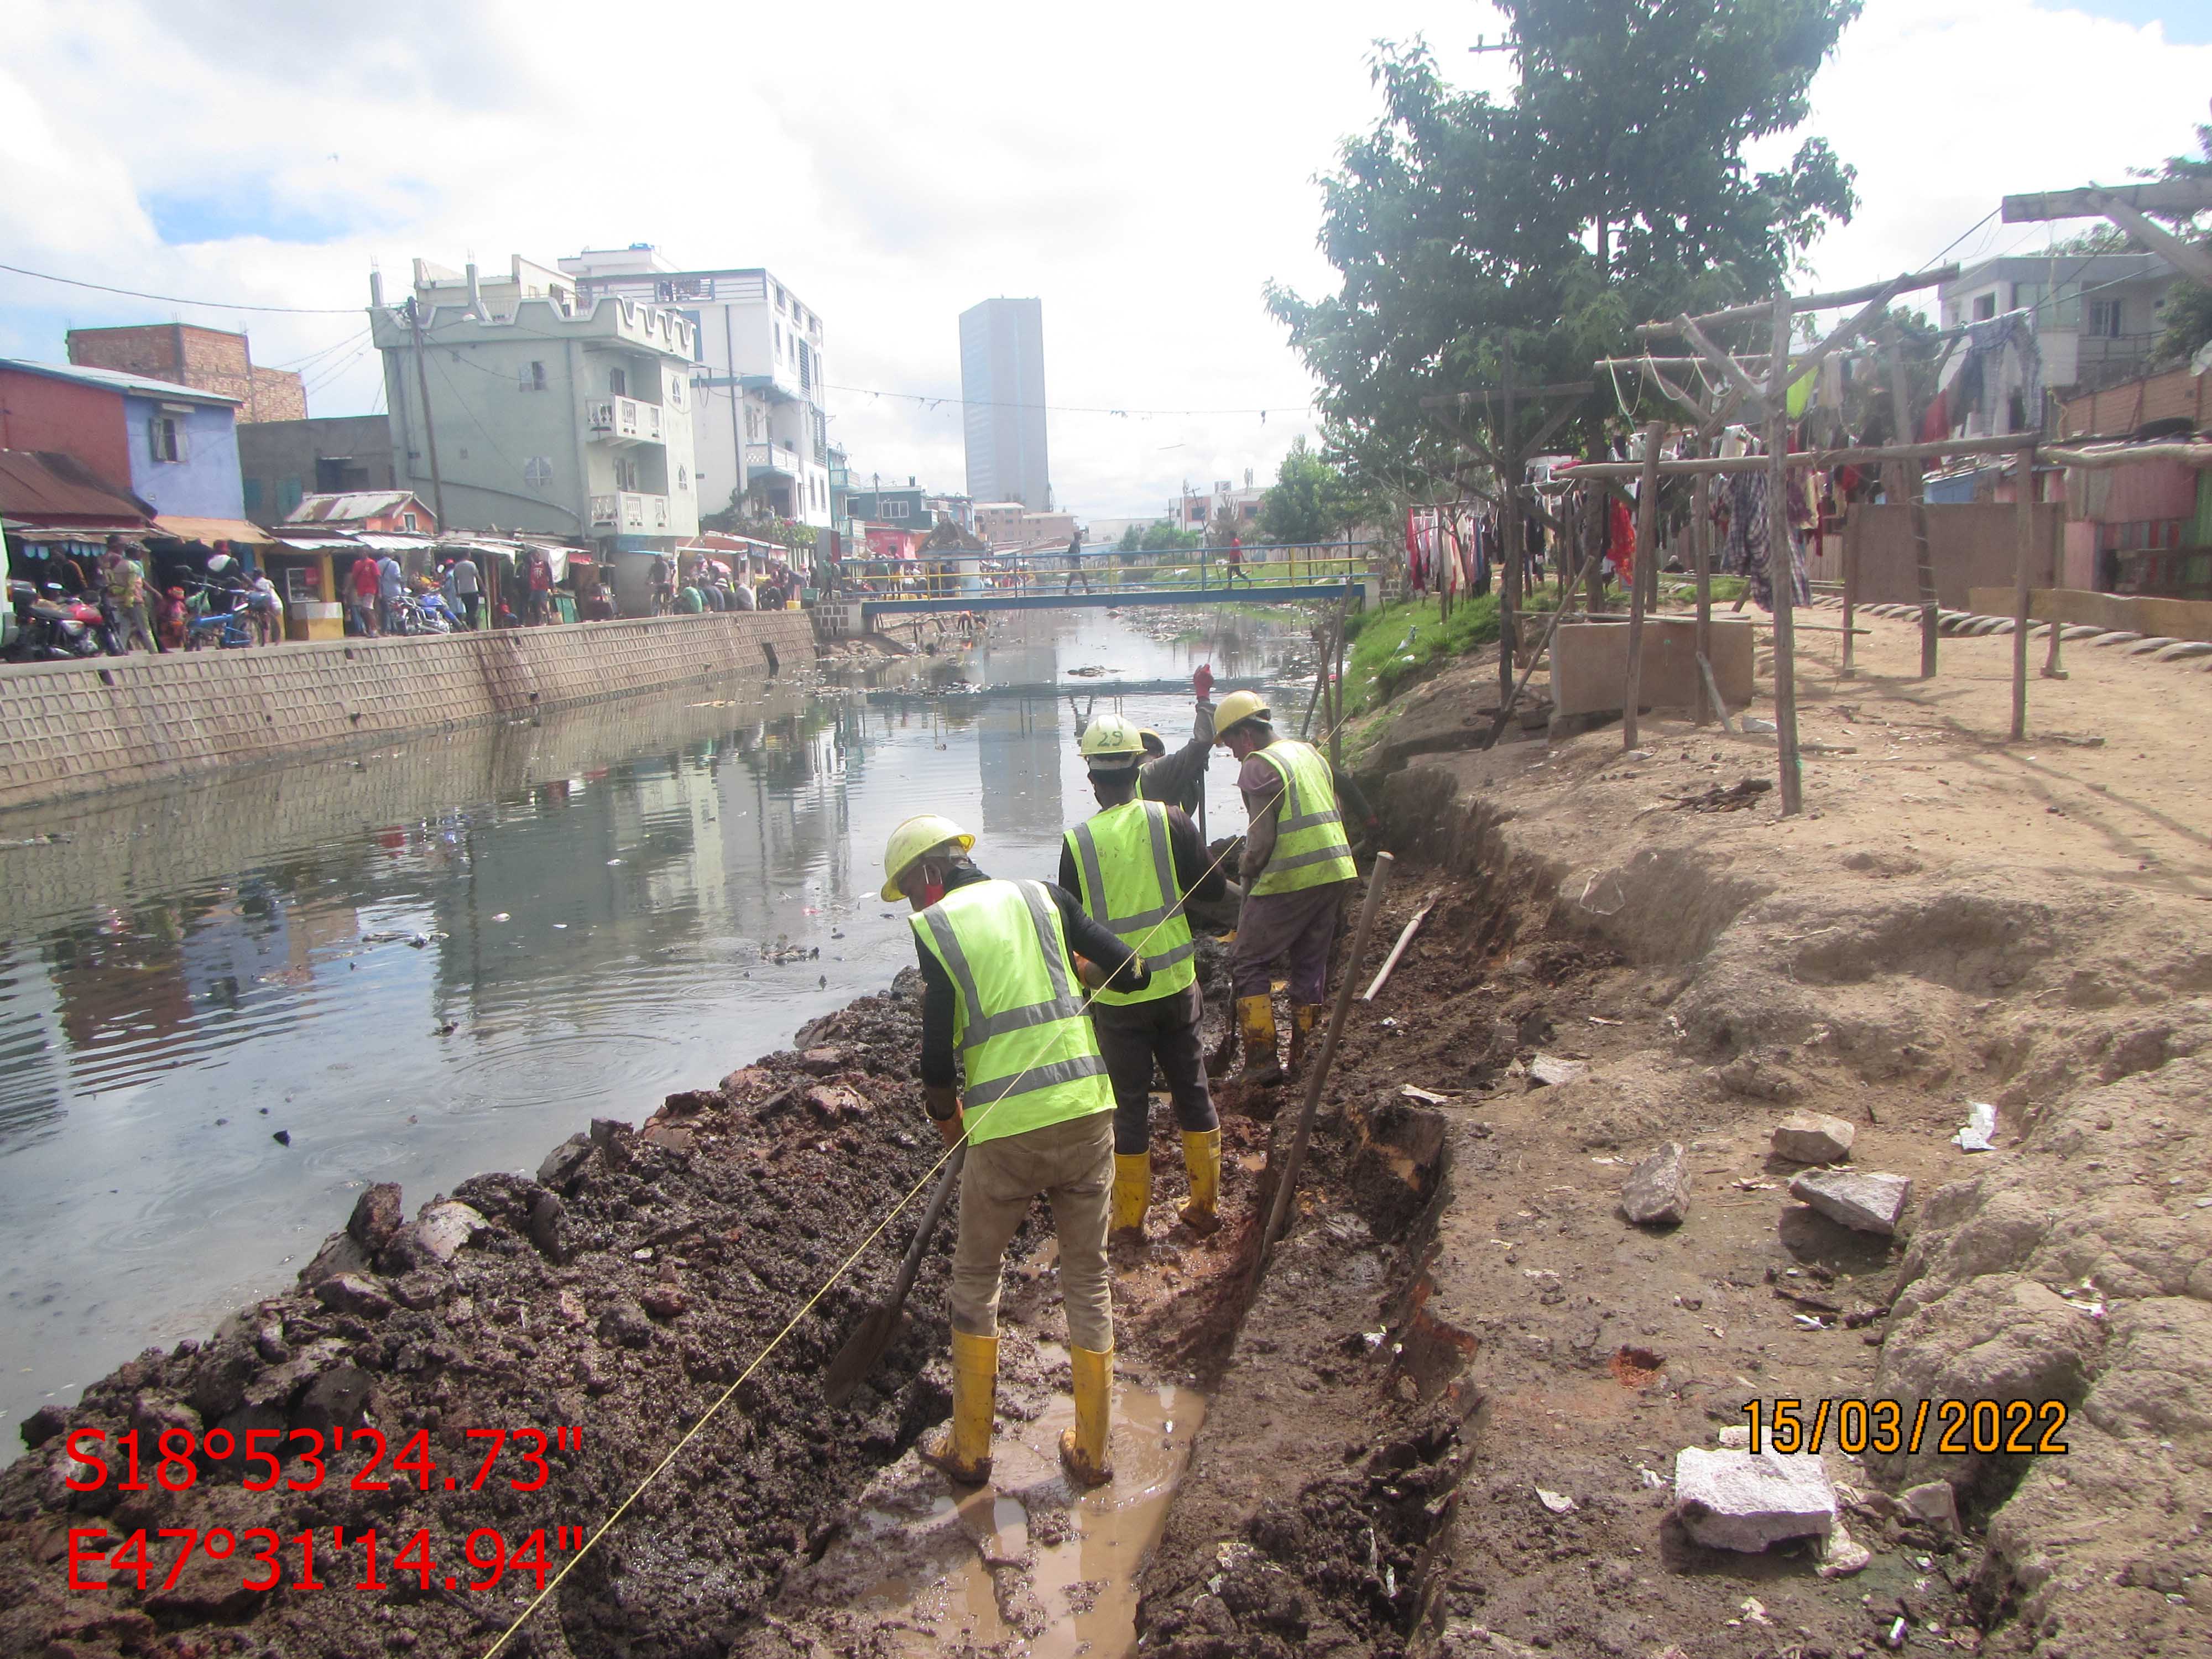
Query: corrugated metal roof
(350, 506)
(187, 529)
(112, 380)
(45, 485)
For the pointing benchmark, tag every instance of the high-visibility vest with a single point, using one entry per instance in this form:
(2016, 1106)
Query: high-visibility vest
(1125, 867)
(1025, 1039)
(1309, 845)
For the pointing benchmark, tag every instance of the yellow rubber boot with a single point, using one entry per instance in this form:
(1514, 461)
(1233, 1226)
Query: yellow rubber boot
(1256, 1020)
(1305, 1025)
(1201, 1157)
(1083, 1448)
(1133, 1195)
(963, 1450)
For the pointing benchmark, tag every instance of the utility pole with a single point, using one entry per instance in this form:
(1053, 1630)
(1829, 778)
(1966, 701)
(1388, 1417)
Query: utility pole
(429, 427)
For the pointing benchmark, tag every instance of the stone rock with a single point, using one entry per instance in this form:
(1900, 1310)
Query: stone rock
(436, 1237)
(610, 1132)
(562, 1163)
(624, 1324)
(1842, 1555)
(1750, 1076)
(1739, 1500)
(1867, 1202)
(823, 1063)
(43, 1425)
(219, 1379)
(674, 1139)
(337, 1399)
(342, 1253)
(834, 1103)
(422, 1288)
(571, 1307)
(1933, 1503)
(273, 1390)
(376, 1216)
(663, 1301)
(1549, 1070)
(154, 1413)
(1813, 1138)
(351, 1293)
(548, 1220)
(1657, 1193)
(747, 1084)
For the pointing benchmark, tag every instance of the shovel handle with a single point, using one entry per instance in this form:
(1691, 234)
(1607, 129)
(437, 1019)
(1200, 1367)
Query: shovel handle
(939, 1196)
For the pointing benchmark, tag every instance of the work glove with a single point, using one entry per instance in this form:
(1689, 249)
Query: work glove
(1201, 682)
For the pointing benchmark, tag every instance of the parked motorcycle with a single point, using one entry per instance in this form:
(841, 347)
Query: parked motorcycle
(221, 616)
(413, 613)
(53, 627)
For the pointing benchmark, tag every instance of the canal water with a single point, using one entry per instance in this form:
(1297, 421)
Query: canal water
(226, 1008)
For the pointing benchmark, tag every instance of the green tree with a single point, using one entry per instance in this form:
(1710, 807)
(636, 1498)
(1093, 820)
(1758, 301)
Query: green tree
(1311, 498)
(1164, 538)
(1130, 541)
(2188, 303)
(1610, 185)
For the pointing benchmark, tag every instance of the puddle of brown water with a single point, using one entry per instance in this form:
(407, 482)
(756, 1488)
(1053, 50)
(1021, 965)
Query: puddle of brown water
(1024, 1561)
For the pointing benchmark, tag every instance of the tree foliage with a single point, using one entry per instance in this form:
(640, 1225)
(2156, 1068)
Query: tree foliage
(1611, 185)
(1311, 500)
(2188, 303)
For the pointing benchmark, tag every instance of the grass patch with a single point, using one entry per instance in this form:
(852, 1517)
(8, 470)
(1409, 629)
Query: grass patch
(1408, 640)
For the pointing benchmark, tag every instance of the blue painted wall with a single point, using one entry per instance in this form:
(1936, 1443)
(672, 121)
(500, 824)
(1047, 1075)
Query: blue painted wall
(206, 484)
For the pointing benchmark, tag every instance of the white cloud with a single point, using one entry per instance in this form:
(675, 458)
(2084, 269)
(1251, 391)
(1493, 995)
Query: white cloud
(1145, 170)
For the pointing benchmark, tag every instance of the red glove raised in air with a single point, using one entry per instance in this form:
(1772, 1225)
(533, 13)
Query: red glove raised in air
(1201, 682)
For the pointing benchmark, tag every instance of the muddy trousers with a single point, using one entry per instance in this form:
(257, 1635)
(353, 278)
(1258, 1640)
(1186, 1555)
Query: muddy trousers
(1071, 1163)
(1300, 925)
(1132, 1036)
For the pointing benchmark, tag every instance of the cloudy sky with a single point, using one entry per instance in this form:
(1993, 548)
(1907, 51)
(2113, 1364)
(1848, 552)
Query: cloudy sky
(1145, 169)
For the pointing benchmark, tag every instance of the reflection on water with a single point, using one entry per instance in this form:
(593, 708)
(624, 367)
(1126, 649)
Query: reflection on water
(445, 958)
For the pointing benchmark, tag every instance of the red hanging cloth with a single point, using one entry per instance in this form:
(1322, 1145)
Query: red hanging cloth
(1621, 554)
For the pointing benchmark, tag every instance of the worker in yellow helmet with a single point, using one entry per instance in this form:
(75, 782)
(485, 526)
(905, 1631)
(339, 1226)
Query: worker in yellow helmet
(1004, 969)
(1296, 870)
(1133, 864)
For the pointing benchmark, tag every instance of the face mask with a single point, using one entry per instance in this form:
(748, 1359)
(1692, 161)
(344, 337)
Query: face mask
(931, 891)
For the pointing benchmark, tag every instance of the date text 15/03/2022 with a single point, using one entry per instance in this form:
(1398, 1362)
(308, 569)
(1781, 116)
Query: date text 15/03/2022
(179, 1458)
(267, 1559)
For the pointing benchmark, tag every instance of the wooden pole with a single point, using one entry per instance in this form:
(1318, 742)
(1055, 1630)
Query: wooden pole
(1701, 545)
(1647, 551)
(1901, 400)
(1379, 883)
(1781, 567)
(1336, 726)
(1851, 604)
(2024, 516)
(1509, 580)
(1597, 511)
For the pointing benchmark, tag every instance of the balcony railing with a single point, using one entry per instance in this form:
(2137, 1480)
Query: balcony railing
(626, 512)
(772, 458)
(623, 420)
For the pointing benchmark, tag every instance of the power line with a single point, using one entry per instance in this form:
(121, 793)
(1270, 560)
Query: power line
(177, 300)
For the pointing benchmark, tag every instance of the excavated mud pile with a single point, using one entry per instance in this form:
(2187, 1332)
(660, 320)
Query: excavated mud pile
(620, 1290)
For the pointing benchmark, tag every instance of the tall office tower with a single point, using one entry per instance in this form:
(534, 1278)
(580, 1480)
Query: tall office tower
(1002, 381)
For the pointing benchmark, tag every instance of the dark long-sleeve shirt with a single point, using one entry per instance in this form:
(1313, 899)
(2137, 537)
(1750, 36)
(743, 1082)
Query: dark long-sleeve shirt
(940, 1000)
(1192, 874)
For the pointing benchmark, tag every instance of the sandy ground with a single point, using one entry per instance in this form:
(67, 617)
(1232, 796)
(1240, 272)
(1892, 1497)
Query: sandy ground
(1953, 918)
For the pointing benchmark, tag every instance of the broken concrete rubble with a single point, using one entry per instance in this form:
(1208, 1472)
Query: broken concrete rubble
(1657, 1193)
(1867, 1202)
(1744, 1501)
(1813, 1138)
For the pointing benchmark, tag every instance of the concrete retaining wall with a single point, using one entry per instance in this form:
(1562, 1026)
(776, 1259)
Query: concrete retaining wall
(2122, 613)
(69, 729)
(1971, 546)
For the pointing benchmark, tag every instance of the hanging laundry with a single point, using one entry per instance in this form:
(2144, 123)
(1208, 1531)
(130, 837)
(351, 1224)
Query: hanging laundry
(1982, 364)
(1620, 545)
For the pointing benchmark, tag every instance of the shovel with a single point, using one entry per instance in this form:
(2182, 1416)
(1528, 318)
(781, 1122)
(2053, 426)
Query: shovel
(881, 1323)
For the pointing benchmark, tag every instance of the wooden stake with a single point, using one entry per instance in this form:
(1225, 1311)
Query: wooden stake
(1647, 535)
(1851, 603)
(1404, 937)
(2024, 516)
(1901, 401)
(1509, 492)
(1701, 545)
(1782, 567)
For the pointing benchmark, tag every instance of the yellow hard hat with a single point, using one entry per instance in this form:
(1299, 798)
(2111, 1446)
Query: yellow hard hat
(1153, 742)
(1237, 707)
(1110, 741)
(923, 833)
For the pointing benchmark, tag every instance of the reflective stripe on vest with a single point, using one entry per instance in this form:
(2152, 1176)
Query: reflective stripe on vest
(1310, 849)
(1026, 1043)
(1124, 864)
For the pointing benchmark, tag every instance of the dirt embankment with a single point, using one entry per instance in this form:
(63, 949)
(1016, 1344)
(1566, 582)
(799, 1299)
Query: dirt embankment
(1457, 1434)
(621, 1291)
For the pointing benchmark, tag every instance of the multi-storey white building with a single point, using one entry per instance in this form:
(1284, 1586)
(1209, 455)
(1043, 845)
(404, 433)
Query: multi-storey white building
(553, 411)
(762, 419)
(2093, 318)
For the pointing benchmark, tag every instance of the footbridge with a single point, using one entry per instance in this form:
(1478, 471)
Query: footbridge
(884, 590)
